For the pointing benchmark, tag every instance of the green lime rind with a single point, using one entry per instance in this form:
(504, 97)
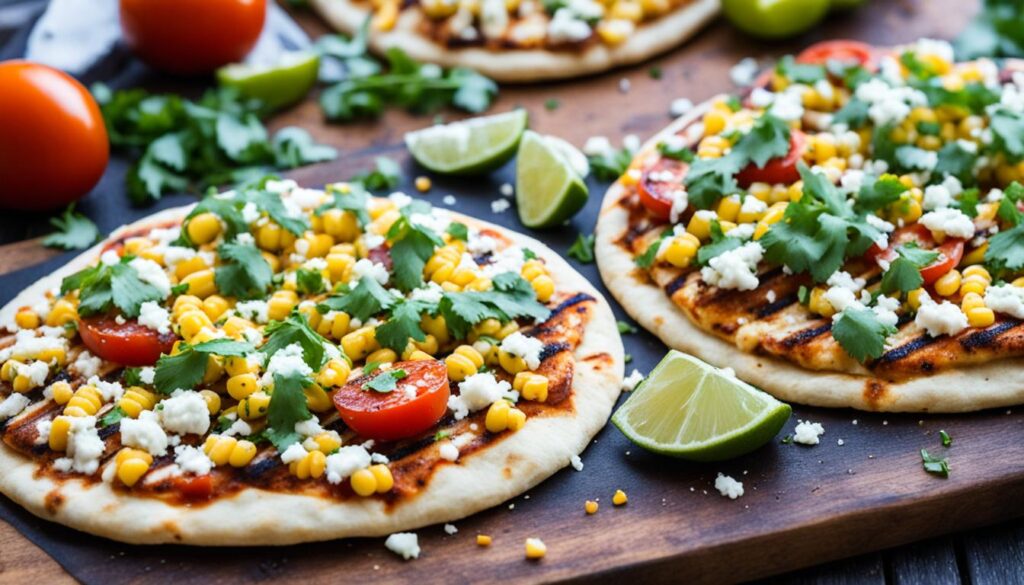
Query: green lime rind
(683, 394)
(549, 190)
(470, 147)
(286, 82)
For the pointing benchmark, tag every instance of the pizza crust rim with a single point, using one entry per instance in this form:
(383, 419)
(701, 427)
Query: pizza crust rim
(525, 65)
(258, 517)
(993, 385)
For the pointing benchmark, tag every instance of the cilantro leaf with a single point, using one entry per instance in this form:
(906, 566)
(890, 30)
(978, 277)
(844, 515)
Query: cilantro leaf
(244, 272)
(294, 147)
(720, 244)
(511, 298)
(609, 166)
(934, 465)
(806, 73)
(112, 417)
(582, 249)
(902, 275)
(916, 255)
(646, 260)
(710, 178)
(403, 325)
(309, 281)
(287, 407)
(411, 246)
(854, 114)
(228, 210)
(625, 328)
(912, 158)
(767, 139)
(1006, 250)
(366, 299)
(1008, 133)
(74, 231)
(880, 192)
(458, 230)
(295, 329)
(185, 369)
(956, 161)
(103, 286)
(273, 206)
(386, 381)
(860, 333)
(968, 202)
(386, 174)
(681, 152)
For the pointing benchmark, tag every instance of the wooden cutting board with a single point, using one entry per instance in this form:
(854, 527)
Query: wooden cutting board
(861, 489)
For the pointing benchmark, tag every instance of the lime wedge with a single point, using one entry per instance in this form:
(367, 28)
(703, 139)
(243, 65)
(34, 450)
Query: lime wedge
(548, 188)
(277, 85)
(692, 410)
(468, 147)
(572, 155)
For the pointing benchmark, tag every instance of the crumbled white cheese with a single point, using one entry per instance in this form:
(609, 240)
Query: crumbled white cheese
(147, 374)
(680, 201)
(448, 200)
(110, 257)
(889, 105)
(728, 487)
(448, 451)
(949, 221)
(346, 461)
(155, 316)
(238, 428)
(788, 105)
(144, 433)
(680, 106)
(309, 427)
(597, 146)
(450, 529)
(185, 412)
(366, 267)
(43, 431)
(86, 364)
(110, 391)
(294, 452)
(1006, 298)
(13, 405)
(632, 381)
(153, 274)
(287, 361)
(938, 319)
(404, 544)
(528, 348)
(35, 373)
(565, 27)
(85, 447)
(192, 460)
(734, 269)
(807, 432)
(476, 392)
(576, 462)
(500, 205)
(744, 72)
(253, 310)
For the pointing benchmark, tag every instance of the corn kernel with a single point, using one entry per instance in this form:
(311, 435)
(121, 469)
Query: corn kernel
(619, 498)
(26, 319)
(423, 184)
(132, 470)
(981, 317)
(590, 506)
(483, 540)
(948, 284)
(535, 548)
(363, 482)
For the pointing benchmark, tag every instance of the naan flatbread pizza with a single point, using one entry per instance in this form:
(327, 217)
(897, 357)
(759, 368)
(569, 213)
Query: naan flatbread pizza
(846, 234)
(281, 364)
(523, 40)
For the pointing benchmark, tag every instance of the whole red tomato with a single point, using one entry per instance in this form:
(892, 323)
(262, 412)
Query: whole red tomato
(53, 144)
(190, 37)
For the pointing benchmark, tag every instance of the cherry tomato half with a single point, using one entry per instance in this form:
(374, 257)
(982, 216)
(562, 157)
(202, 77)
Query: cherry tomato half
(53, 144)
(777, 170)
(950, 251)
(658, 183)
(128, 343)
(839, 50)
(195, 488)
(190, 37)
(414, 406)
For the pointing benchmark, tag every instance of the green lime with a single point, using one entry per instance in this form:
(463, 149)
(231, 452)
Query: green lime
(277, 85)
(548, 188)
(774, 19)
(689, 409)
(469, 147)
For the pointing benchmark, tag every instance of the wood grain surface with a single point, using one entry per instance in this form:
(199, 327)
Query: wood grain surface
(803, 506)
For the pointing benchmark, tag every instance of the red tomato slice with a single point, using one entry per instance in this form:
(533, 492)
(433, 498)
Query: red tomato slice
(657, 184)
(128, 343)
(950, 251)
(195, 488)
(839, 50)
(419, 400)
(777, 170)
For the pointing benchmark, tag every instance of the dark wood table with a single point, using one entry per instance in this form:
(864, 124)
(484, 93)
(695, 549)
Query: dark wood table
(697, 70)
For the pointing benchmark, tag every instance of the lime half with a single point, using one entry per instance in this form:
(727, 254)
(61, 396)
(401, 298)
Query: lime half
(774, 19)
(468, 147)
(277, 85)
(548, 189)
(692, 410)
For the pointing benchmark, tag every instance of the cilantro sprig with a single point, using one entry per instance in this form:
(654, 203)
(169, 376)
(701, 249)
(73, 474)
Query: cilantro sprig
(1005, 251)
(295, 329)
(74, 231)
(186, 368)
(582, 249)
(287, 407)
(861, 334)
(243, 272)
(511, 298)
(385, 382)
(107, 286)
(366, 299)
(904, 273)
(412, 245)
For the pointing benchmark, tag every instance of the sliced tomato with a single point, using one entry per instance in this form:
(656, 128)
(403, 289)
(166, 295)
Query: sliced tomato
(195, 488)
(845, 51)
(380, 255)
(657, 184)
(950, 251)
(418, 401)
(128, 343)
(777, 170)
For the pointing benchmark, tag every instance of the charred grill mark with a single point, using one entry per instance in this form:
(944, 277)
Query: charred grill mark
(108, 431)
(551, 349)
(410, 448)
(805, 336)
(987, 337)
(259, 469)
(676, 283)
(772, 308)
(714, 295)
(569, 302)
(902, 352)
